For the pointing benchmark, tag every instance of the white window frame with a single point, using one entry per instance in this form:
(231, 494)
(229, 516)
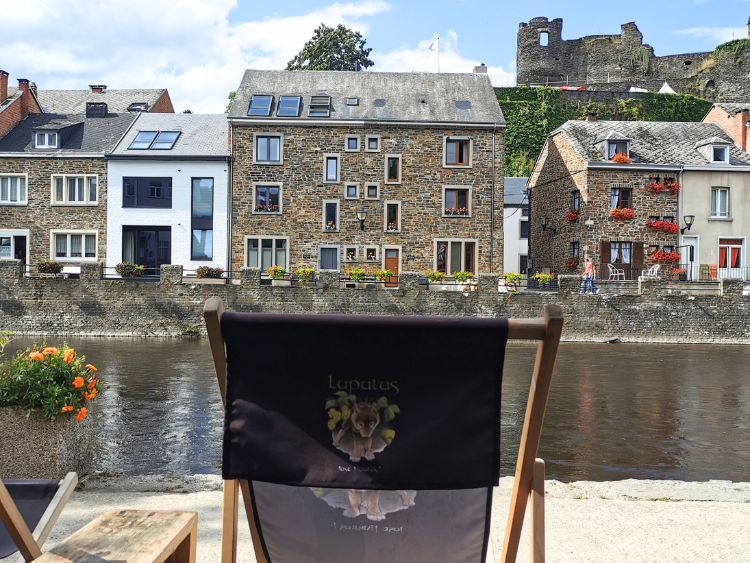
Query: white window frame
(325, 168)
(442, 208)
(346, 190)
(24, 201)
(268, 162)
(725, 148)
(743, 250)
(386, 203)
(346, 143)
(47, 135)
(445, 151)
(338, 216)
(367, 143)
(280, 185)
(356, 253)
(716, 190)
(366, 247)
(320, 254)
(66, 202)
(53, 234)
(615, 142)
(259, 238)
(11, 233)
(400, 169)
(449, 240)
(377, 190)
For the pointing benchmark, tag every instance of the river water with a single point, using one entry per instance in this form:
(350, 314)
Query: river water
(616, 411)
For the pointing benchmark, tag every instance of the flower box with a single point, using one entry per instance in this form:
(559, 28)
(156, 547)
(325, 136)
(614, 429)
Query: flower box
(267, 208)
(621, 158)
(456, 211)
(281, 283)
(572, 215)
(661, 256)
(622, 213)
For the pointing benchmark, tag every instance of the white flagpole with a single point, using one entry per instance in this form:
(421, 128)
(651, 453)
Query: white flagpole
(438, 52)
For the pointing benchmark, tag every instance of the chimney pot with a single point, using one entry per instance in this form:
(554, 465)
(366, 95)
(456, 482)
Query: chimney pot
(480, 69)
(591, 116)
(98, 88)
(3, 86)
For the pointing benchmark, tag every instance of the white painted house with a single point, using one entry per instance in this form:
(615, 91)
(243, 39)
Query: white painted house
(516, 226)
(167, 195)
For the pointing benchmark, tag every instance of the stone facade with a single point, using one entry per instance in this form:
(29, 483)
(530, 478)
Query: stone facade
(616, 62)
(658, 311)
(559, 172)
(420, 193)
(39, 217)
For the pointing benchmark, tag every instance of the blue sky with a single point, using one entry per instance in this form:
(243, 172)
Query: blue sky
(198, 49)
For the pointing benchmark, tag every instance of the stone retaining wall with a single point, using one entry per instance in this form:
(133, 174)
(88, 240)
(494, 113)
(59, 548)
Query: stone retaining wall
(652, 311)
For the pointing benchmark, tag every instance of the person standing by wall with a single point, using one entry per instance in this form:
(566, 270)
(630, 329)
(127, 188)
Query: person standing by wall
(589, 273)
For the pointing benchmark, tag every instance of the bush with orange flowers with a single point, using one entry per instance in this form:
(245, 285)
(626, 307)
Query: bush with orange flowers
(55, 381)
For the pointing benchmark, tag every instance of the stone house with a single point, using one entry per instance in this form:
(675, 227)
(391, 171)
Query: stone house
(402, 171)
(168, 186)
(515, 225)
(16, 103)
(53, 186)
(586, 203)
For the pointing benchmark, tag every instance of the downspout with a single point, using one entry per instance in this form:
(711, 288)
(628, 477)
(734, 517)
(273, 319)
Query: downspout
(492, 205)
(230, 185)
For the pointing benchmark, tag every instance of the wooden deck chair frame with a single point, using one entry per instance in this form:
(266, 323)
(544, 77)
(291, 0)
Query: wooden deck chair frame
(529, 476)
(30, 543)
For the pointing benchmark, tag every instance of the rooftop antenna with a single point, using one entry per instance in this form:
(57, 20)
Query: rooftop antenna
(435, 46)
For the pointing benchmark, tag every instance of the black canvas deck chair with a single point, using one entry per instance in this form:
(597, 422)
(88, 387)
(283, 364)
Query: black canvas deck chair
(374, 439)
(29, 509)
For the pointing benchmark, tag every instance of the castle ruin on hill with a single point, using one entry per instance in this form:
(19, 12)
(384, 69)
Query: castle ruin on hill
(619, 62)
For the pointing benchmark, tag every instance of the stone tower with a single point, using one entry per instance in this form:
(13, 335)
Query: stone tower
(539, 50)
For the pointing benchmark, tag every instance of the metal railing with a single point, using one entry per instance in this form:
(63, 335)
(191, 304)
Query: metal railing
(532, 283)
(368, 282)
(65, 272)
(147, 274)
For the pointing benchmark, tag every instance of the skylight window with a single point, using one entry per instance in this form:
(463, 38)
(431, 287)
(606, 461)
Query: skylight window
(352, 101)
(320, 106)
(154, 140)
(289, 106)
(260, 105)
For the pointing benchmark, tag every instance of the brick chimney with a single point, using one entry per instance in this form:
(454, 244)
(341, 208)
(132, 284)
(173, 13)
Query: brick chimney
(23, 84)
(591, 116)
(481, 68)
(3, 86)
(98, 88)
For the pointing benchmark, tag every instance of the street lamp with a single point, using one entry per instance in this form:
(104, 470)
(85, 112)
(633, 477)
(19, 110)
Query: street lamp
(361, 216)
(689, 219)
(546, 227)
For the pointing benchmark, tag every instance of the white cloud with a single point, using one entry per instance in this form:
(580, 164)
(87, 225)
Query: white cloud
(189, 47)
(714, 34)
(422, 59)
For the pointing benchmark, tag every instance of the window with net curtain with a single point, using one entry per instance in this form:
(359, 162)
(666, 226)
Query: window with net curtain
(73, 245)
(12, 189)
(266, 252)
(202, 218)
(455, 256)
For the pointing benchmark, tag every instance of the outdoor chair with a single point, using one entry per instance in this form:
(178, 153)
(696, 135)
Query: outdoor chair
(340, 458)
(651, 273)
(615, 273)
(29, 509)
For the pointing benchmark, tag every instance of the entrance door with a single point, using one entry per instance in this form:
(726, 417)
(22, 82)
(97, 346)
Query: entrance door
(19, 248)
(150, 247)
(391, 263)
(690, 249)
(731, 258)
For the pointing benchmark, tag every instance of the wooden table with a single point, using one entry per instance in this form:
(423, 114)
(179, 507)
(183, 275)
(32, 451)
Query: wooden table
(130, 536)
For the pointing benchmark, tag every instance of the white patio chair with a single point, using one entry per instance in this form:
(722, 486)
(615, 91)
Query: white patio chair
(651, 273)
(615, 273)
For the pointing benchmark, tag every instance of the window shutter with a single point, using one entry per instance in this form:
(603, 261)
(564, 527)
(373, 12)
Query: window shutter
(604, 246)
(638, 253)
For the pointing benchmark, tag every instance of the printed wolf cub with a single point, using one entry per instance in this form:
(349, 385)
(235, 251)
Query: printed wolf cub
(368, 503)
(361, 423)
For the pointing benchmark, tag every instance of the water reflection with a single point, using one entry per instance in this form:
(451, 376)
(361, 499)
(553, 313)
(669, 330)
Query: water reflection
(615, 411)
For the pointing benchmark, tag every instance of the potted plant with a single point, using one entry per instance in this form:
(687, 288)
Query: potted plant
(306, 275)
(129, 270)
(392, 226)
(45, 403)
(207, 272)
(679, 274)
(277, 275)
(384, 276)
(435, 281)
(330, 226)
(571, 263)
(49, 267)
(572, 215)
(463, 280)
(621, 158)
(544, 280)
(670, 227)
(622, 213)
(672, 185)
(512, 280)
(654, 185)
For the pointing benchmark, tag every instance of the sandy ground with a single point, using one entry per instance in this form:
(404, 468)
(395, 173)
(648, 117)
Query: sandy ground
(632, 520)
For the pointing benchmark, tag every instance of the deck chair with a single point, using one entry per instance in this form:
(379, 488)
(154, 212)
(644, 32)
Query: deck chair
(651, 273)
(29, 509)
(416, 488)
(616, 273)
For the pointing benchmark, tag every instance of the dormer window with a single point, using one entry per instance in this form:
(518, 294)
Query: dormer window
(260, 105)
(154, 140)
(46, 140)
(720, 153)
(617, 147)
(320, 106)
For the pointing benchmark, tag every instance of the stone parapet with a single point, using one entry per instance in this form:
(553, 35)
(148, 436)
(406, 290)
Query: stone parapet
(11, 270)
(170, 273)
(92, 271)
(329, 279)
(250, 277)
(409, 281)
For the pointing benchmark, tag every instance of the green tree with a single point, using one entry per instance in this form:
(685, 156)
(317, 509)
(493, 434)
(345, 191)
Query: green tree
(330, 48)
(230, 98)
(519, 165)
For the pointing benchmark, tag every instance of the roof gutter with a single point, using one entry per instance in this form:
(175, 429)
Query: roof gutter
(58, 155)
(364, 122)
(633, 166)
(164, 157)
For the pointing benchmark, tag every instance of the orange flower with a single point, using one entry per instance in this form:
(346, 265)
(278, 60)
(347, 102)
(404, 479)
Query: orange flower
(81, 414)
(69, 355)
(89, 396)
(91, 367)
(66, 408)
(49, 351)
(92, 383)
(36, 356)
(78, 382)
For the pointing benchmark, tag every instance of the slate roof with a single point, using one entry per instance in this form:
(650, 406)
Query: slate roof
(651, 142)
(383, 96)
(74, 101)
(733, 108)
(83, 135)
(515, 191)
(11, 97)
(200, 135)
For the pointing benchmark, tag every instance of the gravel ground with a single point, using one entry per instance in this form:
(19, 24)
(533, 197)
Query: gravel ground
(632, 520)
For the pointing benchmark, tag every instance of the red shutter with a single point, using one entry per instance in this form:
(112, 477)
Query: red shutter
(638, 254)
(604, 251)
